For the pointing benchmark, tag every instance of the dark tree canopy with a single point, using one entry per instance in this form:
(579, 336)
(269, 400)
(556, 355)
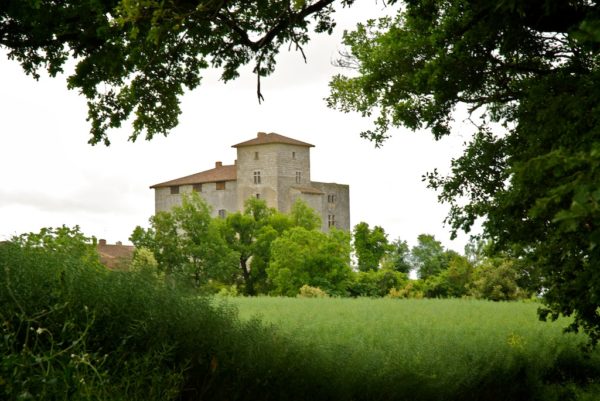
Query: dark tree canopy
(528, 71)
(136, 58)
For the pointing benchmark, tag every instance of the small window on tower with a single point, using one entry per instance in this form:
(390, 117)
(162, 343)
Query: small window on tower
(298, 177)
(257, 196)
(257, 177)
(255, 155)
(220, 185)
(222, 213)
(174, 190)
(294, 155)
(331, 220)
(197, 187)
(331, 198)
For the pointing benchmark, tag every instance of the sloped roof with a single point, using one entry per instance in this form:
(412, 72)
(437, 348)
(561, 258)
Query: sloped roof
(309, 190)
(115, 256)
(219, 173)
(264, 138)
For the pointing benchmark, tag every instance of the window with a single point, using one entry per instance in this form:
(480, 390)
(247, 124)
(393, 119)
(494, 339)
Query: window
(257, 177)
(255, 155)
(331, 198)
(331, 220)
(174, 190)
(294, 155)
(298, 177)
(197, 187)
(220, 185)
(257, 196)
(222, 213)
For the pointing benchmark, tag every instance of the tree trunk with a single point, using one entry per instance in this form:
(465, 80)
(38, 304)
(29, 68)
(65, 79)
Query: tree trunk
(249, 288)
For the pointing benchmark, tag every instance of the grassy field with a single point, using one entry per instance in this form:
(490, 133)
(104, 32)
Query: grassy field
(436, 349)
(72, 330)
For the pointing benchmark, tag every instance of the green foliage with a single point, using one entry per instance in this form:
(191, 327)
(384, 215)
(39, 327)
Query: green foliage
(413, 289)
(397, 257)
(250, 234)
(163, 240)
(370, 246)
(496, 279)
(68, 242)
(228, 291)
(452, 282)
(304, 216)
(528, 74)
(306, 291)
(72, 331)
(207, 256)
(376, 283)
(429, 256)
(69, 328)
(136, 58)
(187, 242)
(300, 257)
(144, 262)
(385, 349)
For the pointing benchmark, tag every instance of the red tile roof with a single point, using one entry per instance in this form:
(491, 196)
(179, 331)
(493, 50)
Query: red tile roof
(219, 173)
(115, 256)
(263, 138)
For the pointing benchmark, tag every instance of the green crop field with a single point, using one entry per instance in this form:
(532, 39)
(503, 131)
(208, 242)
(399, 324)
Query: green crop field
(435, 349)
(70, 329)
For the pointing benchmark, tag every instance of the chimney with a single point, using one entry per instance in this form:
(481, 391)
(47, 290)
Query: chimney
(218, 164)
(119, 243)
(261, 135)
(102, 242)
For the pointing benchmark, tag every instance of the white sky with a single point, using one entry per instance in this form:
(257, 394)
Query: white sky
(50, 175)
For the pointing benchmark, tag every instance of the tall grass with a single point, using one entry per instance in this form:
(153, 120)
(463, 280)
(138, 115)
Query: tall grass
(71, 330)
(435, 349)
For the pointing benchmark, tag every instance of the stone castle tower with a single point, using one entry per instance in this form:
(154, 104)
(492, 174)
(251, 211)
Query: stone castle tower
(270, 167)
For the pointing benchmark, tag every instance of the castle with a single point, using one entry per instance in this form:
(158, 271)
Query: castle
(270, 167)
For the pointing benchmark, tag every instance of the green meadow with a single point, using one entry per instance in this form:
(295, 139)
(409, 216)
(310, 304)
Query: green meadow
(72, 330)
(435, 349)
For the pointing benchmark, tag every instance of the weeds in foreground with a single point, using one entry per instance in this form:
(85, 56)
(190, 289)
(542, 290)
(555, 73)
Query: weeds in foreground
(70, 329)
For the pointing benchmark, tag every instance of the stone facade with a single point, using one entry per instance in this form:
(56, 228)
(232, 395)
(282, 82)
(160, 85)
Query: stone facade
(270, 167)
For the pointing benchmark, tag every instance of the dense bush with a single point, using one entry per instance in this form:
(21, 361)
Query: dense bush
(306, 291)
(376, 283)
(71, 329)
(497, 279)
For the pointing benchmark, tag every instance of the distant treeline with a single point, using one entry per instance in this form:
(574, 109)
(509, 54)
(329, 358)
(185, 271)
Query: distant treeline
(263, 251)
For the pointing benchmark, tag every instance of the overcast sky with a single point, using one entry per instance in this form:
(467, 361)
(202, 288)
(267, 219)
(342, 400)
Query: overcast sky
(52, 176)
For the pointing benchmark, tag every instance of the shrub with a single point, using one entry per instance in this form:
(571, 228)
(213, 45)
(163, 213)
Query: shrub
(71, 329)
(412, 289)
(496, 280)
(144, 262)
(306, 291)
(376, 283)
(228, 291)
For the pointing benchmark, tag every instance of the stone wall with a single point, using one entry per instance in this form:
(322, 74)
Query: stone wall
(225, 199)
(277, 164)
(336, 203)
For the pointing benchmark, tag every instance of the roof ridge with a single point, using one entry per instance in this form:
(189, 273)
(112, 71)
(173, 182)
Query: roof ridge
(263, 138)
(218, 173)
